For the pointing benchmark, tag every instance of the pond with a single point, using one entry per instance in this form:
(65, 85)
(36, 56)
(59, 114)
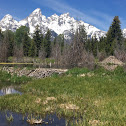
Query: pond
(8, 90)
(20, 120)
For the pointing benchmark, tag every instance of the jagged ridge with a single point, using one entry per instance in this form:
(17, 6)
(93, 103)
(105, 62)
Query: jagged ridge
(63, 24)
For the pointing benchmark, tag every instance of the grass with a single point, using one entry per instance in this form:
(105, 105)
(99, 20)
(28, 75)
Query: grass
(9, 118)
(7, 79)
(101, 98)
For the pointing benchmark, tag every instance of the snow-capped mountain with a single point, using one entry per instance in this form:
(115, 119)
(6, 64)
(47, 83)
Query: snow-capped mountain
(63, 24)
(124, 33)
(8, 23)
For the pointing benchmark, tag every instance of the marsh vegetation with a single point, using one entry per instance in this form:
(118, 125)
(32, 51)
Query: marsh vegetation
(88, 97)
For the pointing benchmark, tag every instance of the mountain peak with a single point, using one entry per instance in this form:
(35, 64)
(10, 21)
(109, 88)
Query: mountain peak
(36, 13)
(7, 17)
(65, 15)
(8, 23)
(54, 15)
(38, 10)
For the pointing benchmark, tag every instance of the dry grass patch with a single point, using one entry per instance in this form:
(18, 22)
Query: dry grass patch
(97, 123)
(99, 103)
(49, 99)
(84, 75)
(38, 100)
(69, 106)
(49, 109)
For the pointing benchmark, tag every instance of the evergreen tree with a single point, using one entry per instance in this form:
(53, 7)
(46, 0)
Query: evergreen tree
(31, 52)
(22, 38)
(82, 34)
(26, 44)
(124, 44)
(37, 40)
(47, 43)
(60, 40)
(102, 44)
(114, 36)
(62, 44)
(19, 34)
(95, 46)
(42, 41)
(1, 36)
(88, 45)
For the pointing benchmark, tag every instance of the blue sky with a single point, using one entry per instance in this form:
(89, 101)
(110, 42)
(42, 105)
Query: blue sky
(99, 13)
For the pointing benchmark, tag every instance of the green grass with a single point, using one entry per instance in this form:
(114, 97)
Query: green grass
(101, 97)
(7, 79)
(77, 71)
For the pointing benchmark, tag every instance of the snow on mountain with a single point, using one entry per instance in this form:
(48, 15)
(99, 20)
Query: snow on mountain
(63, 24)
(34, 19)
(8, 23)
(124, 33)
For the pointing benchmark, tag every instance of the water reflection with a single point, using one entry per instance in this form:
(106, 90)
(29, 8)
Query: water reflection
(9, 90)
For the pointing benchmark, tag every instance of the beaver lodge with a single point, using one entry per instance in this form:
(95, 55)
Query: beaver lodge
(111, 63)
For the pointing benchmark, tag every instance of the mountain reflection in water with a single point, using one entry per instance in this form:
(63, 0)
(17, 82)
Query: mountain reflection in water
(9, 90)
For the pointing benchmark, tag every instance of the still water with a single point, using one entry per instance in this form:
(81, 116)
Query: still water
(18, 120)
(8, 90)
(21, 120)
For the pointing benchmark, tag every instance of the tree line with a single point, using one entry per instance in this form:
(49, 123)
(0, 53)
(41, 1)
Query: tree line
(19, 43)
(113, 44)
(81, 50)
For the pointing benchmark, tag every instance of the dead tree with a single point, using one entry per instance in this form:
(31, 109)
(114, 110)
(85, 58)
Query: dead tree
(77, 47)
(3, 52)
(121, 55)
(56, 54)
(18, 53)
